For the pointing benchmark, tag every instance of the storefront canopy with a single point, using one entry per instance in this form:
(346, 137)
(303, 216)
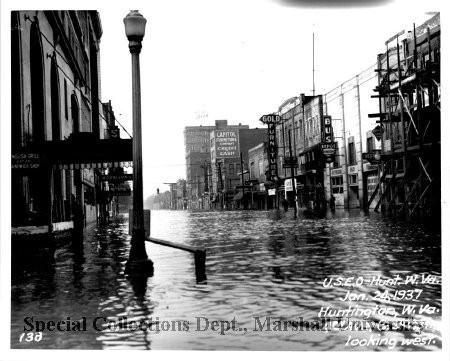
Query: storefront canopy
(83, 152)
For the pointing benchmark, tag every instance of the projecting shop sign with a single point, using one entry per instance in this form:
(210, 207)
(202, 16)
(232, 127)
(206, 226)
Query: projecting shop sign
(328, 146)
(226, 143)
(271, 121)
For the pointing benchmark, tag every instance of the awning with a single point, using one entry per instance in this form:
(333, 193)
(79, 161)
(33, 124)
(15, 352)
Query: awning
(82, 151)
(93, 165)
(238, 196)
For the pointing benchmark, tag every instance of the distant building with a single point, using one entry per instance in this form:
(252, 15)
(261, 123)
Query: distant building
(181, 192)
(227, 145)
(197, 158)
(197, 144)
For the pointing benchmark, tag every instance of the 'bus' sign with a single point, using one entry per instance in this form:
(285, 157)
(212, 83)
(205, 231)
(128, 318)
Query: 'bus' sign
(328, 146)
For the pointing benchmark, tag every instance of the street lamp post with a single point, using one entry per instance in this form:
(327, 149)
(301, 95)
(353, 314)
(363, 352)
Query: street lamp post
(138, 262)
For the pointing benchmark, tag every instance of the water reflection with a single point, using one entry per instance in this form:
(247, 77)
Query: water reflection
(259, 264)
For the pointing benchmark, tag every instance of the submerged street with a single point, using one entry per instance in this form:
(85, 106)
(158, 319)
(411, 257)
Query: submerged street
(263, 270)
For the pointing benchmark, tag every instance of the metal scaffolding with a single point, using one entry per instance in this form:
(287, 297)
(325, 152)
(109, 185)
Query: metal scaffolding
(409, 114)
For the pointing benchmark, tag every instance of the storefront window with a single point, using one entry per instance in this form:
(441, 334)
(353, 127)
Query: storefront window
(337, 184)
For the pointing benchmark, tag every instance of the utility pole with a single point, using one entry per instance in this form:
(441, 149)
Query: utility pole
(205, 174)
(242, 179)
(292, 176)
(220, 182)
(313, 70)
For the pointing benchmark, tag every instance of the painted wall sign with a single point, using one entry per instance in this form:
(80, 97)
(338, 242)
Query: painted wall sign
(25, 161)
(226, 143)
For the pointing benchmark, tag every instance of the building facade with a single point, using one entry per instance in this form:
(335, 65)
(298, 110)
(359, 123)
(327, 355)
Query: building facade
(409, 115)
(299, 135)
(350, 177)
(386, 146)
(55, 110)
(230, 170)
(197, 158)
(258, 161)
(199, 172)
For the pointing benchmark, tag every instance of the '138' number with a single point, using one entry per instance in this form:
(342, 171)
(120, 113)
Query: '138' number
(30, 337)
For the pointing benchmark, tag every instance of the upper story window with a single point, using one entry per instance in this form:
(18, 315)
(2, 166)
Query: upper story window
(351, 153)
(231, 169)
(370, 144)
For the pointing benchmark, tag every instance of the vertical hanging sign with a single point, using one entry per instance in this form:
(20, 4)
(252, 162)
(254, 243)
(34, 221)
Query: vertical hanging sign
(328, 146)
(271, 121)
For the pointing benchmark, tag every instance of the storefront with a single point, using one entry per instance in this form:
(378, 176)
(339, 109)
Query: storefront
(337, 186)
(353, 187)
(371, 179)
(312, 178)
(67, 184)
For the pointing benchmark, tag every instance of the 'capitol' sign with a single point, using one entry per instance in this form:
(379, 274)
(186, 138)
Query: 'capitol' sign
(226, 143)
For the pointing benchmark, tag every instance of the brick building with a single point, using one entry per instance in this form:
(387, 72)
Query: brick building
(227, 177)
(197, 142)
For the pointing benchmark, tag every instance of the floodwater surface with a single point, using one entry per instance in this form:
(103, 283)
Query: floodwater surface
(335, 282)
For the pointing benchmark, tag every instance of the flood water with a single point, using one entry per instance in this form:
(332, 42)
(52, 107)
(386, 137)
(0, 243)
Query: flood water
(261, 267)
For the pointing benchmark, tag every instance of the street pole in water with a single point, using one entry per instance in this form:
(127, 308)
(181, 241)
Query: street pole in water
(292, 176)
(242, 181)
(138, 263)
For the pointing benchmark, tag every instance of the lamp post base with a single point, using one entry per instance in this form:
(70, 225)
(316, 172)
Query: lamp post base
(139, 267)
(138, 263)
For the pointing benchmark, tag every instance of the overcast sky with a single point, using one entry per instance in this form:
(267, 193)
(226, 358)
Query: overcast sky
(236, 59)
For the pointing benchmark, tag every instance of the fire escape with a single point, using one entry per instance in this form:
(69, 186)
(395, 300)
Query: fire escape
(410, 105)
